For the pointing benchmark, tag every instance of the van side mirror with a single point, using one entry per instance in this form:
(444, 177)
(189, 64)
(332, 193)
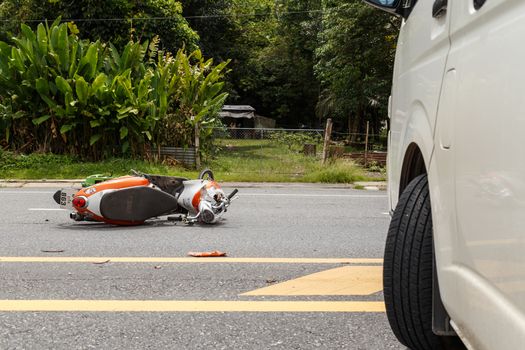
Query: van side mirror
(394, 7)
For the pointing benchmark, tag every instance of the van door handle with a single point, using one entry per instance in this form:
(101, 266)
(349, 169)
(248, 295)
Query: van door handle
(439, 8)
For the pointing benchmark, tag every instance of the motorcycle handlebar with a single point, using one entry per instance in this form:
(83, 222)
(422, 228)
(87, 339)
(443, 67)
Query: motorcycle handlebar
(231, 195)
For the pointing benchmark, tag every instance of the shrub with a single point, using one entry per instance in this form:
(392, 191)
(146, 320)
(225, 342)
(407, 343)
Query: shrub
(295, 140)
(61, 94)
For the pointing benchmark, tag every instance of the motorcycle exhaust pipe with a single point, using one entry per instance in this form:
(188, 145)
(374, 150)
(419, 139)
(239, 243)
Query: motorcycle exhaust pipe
(76, 216)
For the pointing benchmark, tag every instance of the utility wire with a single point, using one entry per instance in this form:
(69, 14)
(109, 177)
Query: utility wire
(163, 18)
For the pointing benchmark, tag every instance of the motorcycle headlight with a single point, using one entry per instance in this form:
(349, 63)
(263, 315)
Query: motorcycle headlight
(206, 213)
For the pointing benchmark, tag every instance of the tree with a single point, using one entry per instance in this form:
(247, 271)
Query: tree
(271, 44)
(355, 59)
(294, 60)
(286, 84)
(116, 21)
(213, 20)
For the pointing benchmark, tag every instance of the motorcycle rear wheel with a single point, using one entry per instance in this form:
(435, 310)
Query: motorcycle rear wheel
(208, 173)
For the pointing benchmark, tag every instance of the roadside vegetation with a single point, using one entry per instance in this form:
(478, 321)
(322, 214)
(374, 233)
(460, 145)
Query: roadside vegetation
(239, 160)
(64, 95)
(114, 81)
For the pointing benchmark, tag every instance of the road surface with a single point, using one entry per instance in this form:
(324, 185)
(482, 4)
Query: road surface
(303, 272)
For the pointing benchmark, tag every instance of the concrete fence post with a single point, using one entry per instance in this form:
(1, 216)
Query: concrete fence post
(327, 137)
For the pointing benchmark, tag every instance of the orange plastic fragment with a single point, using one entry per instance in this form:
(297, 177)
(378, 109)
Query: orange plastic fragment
(213, 254)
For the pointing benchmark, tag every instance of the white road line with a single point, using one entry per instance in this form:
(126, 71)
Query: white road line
(310, 195)
(26, 192)
(46, 209)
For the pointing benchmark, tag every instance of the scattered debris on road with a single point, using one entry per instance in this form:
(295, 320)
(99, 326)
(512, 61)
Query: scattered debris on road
(101, 262)
(213, 254)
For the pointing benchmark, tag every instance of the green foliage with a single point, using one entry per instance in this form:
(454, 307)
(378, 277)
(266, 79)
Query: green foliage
(295, 141)
(375, 167)
(269, 161)
(136, 22)
(197, 97)
(66, 95)
(337, 172)
(282, 77)
(242, 160)
(354, 63)
(302, 61)
(217, 35)
(10, 162)
(73, 89)
(45, 166)
(296, 61)
(272, 52)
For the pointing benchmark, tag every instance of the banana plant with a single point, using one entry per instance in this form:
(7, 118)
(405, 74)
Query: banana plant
(64, 94)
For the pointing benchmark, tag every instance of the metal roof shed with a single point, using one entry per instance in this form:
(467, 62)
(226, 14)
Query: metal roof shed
(237, 112)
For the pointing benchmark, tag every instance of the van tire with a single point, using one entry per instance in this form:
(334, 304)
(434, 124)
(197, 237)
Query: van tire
(407, 271)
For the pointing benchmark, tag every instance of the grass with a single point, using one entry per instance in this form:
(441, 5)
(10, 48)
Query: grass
(270, 161)
(238, 160)
(47, 166)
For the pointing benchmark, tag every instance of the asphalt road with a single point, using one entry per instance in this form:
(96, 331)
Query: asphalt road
(147, 302)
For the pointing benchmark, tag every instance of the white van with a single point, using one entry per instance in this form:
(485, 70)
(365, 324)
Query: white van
(455, 253)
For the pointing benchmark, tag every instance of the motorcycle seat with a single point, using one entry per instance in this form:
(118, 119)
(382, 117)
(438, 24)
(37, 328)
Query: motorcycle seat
(137, 204)
(169, 184)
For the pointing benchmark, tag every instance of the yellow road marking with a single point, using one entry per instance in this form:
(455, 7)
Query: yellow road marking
(59, 259)
(347, 280)
(188, 306)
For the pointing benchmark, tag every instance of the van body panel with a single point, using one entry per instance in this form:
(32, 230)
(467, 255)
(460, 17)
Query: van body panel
(420, 63)
(458, 95)
(484, 288)
(441, 172)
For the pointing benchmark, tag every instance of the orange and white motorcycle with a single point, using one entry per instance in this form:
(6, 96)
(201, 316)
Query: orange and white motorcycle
(131, 200)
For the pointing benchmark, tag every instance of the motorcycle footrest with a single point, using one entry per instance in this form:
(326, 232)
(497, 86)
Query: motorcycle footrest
(137, 204)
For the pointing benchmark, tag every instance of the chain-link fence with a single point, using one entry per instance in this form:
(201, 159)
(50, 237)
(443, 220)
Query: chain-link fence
(287, 154)
(292, 151)
(357, 142)
(281, 145)
(265, 134)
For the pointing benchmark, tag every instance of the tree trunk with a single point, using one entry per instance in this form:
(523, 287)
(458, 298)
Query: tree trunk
(353, 126)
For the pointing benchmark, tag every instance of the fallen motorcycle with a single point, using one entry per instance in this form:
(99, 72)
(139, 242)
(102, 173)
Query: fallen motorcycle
(131, 200)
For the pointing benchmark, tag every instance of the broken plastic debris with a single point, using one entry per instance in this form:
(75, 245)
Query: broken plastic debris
(101, 262)
(52, 250)
(213, 254)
